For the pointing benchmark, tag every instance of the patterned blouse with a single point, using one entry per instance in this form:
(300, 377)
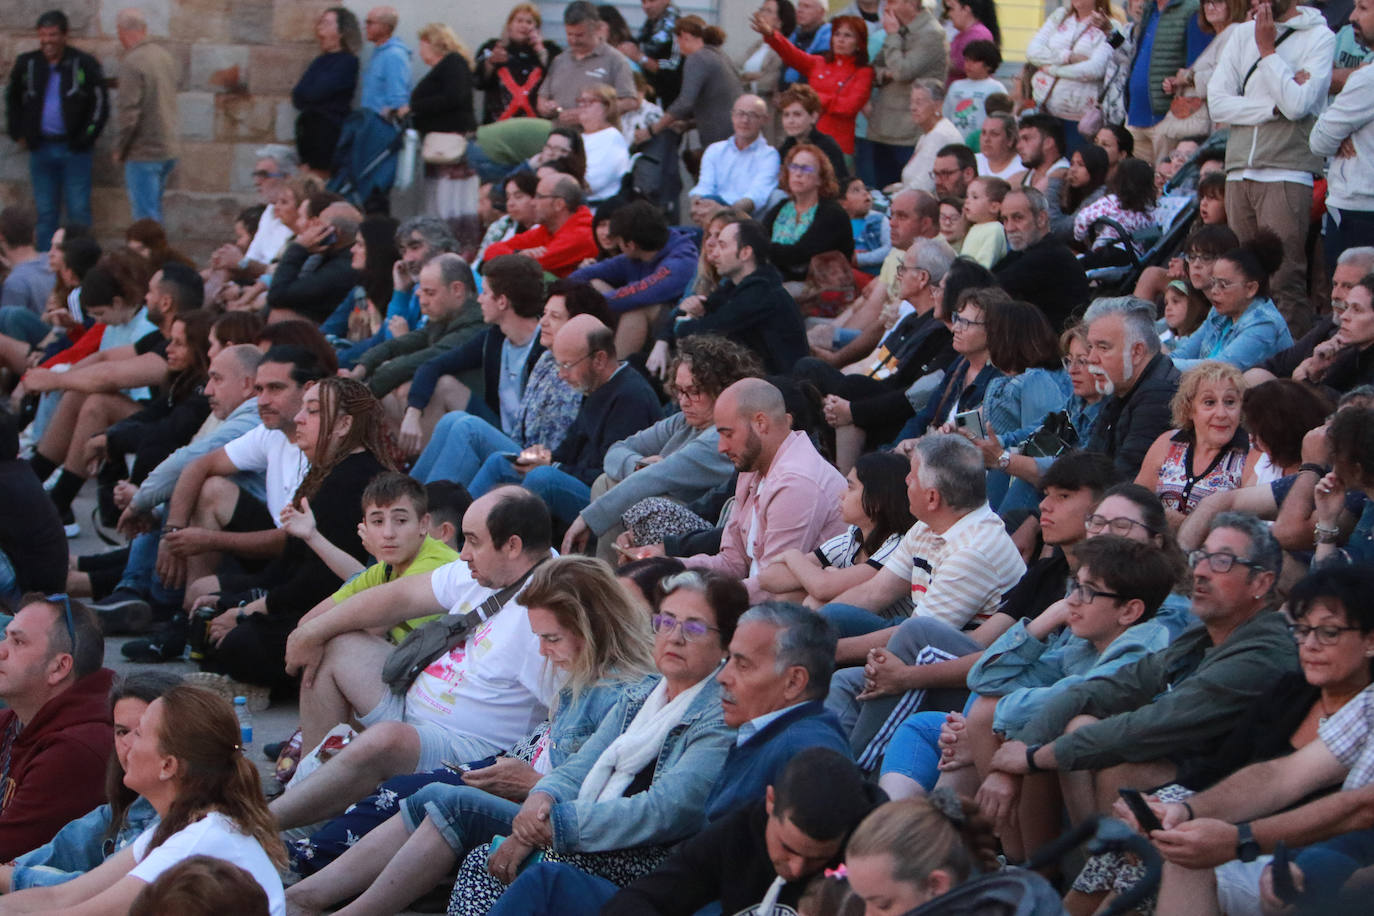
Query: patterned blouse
(548, 406)
(1181, 490)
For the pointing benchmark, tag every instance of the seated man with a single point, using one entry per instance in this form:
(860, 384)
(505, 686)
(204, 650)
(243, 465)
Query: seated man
(617, 403)
(33, 547)
(1040, 143)
(1039, 267)
(787, 495)
(512, 301)
(316, 270)
(767, 850)
(654, 266)
(452, 318)
(750, 306)
(740, 172)
(471, 702)
(1127, 730)
(26, 287)
(56, 727)
(229, 389)
(209, 515)
(563, 238)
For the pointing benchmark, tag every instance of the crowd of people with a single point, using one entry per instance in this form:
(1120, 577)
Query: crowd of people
(750, 483)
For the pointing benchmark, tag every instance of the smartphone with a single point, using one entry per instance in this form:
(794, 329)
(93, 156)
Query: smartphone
(532, 859)
(625, 551)
(971, 420)
(1144, 814)
(330, 237)
(1284, 888)
(512, 457)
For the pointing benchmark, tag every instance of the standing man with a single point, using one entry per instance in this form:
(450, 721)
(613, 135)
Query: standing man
(1167, 39)
(386, 81)
(147, 116)
(1345, 133)
(56, 106)
(913, 48)
(1270, 82)
(655, 50)
(587, 62)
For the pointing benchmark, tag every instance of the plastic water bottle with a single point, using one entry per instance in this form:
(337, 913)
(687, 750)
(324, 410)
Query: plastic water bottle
(245, 723)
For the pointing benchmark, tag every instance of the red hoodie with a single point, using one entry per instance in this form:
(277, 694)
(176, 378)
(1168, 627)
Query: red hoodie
(57, 764)
(572, 244)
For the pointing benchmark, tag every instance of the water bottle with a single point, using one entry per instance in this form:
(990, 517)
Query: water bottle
(245, 723)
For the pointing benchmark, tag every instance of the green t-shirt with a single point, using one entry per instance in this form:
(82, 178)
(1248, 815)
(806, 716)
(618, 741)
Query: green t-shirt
(513, 140)
(432, 555)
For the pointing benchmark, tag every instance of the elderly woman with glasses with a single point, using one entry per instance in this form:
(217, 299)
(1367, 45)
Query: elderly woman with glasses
(641, 779)
(811, 220)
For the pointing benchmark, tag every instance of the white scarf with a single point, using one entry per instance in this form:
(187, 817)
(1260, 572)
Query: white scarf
(640, 744)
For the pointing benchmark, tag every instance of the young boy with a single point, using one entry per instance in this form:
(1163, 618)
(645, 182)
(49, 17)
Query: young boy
(964, 98)
(1211, 199)
(872, 231)
(985, 242)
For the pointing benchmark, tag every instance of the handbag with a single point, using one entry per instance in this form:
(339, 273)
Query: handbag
(1187, 117)
(440, 636)
(441, 148)
(1055, 436)
(1092, 121)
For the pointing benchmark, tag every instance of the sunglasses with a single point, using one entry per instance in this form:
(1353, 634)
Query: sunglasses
(66, 603)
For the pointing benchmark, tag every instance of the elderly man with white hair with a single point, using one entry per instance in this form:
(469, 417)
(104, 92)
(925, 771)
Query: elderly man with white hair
(145, 116)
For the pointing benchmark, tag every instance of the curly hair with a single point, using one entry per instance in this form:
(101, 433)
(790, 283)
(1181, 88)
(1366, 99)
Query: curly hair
(1212, 370)
(800, 94)
(715, 362)
(345, 397)
(830, 185)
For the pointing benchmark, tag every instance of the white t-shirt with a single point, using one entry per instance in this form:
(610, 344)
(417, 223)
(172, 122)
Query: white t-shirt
(213, 835)
(964, 103)
(277, 458)
(494, 685)
(268, 240)
(608, 159)
(1007, 173)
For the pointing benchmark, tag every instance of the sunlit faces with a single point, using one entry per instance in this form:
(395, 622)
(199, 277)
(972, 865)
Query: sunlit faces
(739, 442)
(1062, 512)
(1123, 517)
(1333, 652)
(178, 349)
(561, 646)
(803, 174)
(1020, 223)
(1343, 279)
(1109, 358)
(127, 713)
(1100, 619)
(857, 200)
(953, 226)
(1106, 138)
(1211, 209)
(395, 531)
(872, 879)
(279, 396)
(555, 315)
(24, 663)
(519, 205)
(843, 41)
(852, 502)
(922, 107)
(521, 27)
(1217, 595)
(698, 407)
(978, 206)
(1230, 290)
(144, 762)
(751, 685)
(1076, 364)
(970, 330)
(797, 121)
(1030, 145)
(1357, 321)
(677, 657)
(1078, 172)
(794, 854)
(429, 290)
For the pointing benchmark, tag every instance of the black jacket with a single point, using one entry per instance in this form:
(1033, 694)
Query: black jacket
(442, 100)
(85, 103)
(617, 410)
(1048, 275)
(830, 230)
(758, 314)
(826, 144)
(1128, 425)
(481, 352)
(314, 293)
(522, 69)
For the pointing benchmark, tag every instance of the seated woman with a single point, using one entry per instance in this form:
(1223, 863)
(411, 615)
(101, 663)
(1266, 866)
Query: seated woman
(800, 107)
(876, 511)
(339, 430)
(678, 457)
(608, 155)
(1244, 327)
(1350, 363)
(462, 442)
(519, 194)
(186, 760)
(810, 221)
(1207, 451)
(642, 778)
(564, 148)
(1084, 185)
(1193, 265)
(83, 844)
(595, 640)
(1277, 414)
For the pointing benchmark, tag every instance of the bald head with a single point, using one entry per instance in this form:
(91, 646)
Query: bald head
(584, 351)
(131, 27)
(752, 422)
(381, 23)
(748, 115)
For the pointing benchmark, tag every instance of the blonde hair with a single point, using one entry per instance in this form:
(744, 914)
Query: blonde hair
(608, 98)
(932, 832)
(1181, 407)
(529, 9)
(445, 40)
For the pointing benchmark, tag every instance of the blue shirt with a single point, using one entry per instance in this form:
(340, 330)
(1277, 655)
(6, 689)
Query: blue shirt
(53, 124)
(1244, 342)
(730, 174)
(386, 81)
(1138, 110)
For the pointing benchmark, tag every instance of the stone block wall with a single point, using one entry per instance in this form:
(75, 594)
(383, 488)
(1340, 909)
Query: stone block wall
(239, 60)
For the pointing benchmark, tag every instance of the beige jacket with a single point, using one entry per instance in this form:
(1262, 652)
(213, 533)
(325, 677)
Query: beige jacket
(917, 50)
(146, 111)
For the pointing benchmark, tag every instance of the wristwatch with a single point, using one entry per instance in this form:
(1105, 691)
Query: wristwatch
(1247, 847)
(1031, 765)
(1004, 459)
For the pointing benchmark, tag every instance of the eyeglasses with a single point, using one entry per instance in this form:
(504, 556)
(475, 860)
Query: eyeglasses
(1086, 594)
(1080, 362)
(66, 603)
(803, 169)
(1223, 283)
(692, 630)
(568, 367)
(1200, 258)
(1218, 562)
(1326, 635)
(1119, 526)
(961, 322)
(944, 173)
(690, 394)
(263, 174)
(747, 115)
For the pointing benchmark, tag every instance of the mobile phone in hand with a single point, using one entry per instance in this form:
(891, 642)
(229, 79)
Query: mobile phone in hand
(1144, 814)
(512, 457)
(971, 420)
(1284, 888)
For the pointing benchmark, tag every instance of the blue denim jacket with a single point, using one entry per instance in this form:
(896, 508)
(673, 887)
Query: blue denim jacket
(1016, 405)
(1026, 672)
(573, 722)
(1249, 340)
(872, 234)
(673, 807)
(78, 848)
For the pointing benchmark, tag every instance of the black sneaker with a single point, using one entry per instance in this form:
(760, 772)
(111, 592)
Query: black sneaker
(123, 612)
(273, 751)
(166, 646)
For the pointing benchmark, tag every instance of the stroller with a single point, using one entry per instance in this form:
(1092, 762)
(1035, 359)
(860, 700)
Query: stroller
(366, 159)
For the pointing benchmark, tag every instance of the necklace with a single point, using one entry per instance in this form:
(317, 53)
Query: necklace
(1326, 713)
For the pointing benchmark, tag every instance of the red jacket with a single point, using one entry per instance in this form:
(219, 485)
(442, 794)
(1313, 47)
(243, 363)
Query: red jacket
(842, 84)
(572, 244)
(57, 764)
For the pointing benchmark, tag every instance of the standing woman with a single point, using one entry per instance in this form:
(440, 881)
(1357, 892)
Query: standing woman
(1071, 53)
(975, 20)
(1188, 116)
(710, 83)
(324, 93)
(441, 102)
(511, 68)
(841, 76)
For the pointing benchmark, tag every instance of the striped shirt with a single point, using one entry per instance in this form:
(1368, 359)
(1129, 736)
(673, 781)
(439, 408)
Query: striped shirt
(958, 577)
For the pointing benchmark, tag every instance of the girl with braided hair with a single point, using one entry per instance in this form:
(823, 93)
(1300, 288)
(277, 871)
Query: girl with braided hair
(340, 431)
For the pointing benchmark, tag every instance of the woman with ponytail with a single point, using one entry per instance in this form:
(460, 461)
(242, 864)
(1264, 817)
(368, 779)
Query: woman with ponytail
(186, 760)
(340, 430)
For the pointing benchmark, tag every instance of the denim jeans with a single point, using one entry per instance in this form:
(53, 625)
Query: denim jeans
(9, 584)
(460, 444)
(18, 322)
(145, 182)
(59, 176)
(464, 816)
(1328, 865)
(549, 888)
(914, 750)
(849, 620)
(564, 494)
(140, 573)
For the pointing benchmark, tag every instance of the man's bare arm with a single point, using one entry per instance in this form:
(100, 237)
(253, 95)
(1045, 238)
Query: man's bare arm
(1270, 786)
(1337, 813)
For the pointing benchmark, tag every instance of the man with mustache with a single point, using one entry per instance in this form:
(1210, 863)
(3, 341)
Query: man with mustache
(1138, 381)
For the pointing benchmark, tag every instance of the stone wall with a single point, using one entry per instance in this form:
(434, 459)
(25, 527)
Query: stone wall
(239, 60)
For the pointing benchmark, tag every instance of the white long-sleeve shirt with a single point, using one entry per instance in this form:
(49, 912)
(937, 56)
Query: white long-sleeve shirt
(732, 174)
(1349, 180)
